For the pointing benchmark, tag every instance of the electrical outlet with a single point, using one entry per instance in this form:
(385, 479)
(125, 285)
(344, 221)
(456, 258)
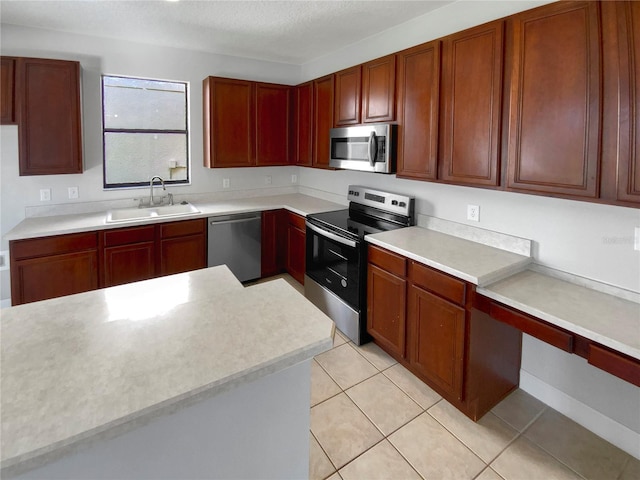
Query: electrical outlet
(225, 183)
(45, 194)
(294, 178)
(4, 260)
(473, 213)
(636, 239)
(73, 192)
(267, 180)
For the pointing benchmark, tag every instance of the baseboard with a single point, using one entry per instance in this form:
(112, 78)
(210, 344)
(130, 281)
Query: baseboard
(603, 426)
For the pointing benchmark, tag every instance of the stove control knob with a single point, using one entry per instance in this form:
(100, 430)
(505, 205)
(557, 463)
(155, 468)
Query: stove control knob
(402, 204)
(344, 283)
(394, 202)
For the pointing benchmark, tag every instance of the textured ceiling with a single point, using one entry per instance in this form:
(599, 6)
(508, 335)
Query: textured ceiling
(283, 31)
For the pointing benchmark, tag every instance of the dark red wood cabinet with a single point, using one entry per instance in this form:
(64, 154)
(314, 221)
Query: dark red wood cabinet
(7, 90)
(274, 242)
(273, 128)
(347, 96)
(296, 246)
(322, 120)
(183, 246)
(304, 124)
(379, 90)
(128, 255)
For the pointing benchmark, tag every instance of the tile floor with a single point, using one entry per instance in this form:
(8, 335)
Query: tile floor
(372, 419)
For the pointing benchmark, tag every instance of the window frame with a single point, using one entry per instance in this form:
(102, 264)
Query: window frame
(186, 132)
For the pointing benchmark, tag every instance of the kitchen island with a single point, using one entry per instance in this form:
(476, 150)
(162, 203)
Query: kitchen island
(185, 376)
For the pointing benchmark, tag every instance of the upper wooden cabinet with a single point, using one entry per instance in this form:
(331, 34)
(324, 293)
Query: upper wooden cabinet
(471, 102)
(322, 120)
(553, 76)
(418, 101)
(378, 90)
(245, 123)
(49, 125)
(347, 96)
(304, 124)
(7, 90)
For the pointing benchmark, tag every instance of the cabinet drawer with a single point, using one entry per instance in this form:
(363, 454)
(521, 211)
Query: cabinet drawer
(38, 247)
(616, 364)
(129, 235)
(296, 220)
(437, 282)
(391, 262)
(547, 333)
(180, 229)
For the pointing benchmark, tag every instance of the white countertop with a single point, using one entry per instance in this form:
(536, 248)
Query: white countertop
(471, 261)
(33, 227)
(598, 316)
(80, 367)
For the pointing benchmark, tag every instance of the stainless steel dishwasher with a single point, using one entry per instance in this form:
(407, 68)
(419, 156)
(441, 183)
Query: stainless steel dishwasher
(235, 241)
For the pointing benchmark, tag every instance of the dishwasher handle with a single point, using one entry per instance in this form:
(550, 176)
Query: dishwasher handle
(227, 219)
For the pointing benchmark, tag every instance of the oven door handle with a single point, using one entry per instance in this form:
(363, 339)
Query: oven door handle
(332, 236)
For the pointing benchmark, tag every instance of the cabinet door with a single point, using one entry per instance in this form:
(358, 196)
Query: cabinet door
(554, 100)
(129, 263)
(347, 96)
(386, 301)
(304, 124)
(379, 90)
(471, 106)
(273, 125)
(229, 122)
(629, 112)
(274, 230)
(418, 106)
(7, 90)
(183, 254)
(437, 345)
(296, 247)
(322, 120)
(49, 133)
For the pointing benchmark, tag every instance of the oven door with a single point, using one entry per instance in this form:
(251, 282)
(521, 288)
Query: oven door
(335, 263)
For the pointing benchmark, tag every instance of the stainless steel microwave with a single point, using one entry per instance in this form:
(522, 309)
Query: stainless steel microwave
(369, 148)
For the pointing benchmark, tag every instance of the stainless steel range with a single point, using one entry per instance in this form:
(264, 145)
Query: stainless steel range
(336, 272)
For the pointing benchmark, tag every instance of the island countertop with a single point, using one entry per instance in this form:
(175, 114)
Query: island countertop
(77, 368)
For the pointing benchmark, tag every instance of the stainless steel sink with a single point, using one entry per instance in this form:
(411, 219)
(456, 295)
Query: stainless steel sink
(134, 214)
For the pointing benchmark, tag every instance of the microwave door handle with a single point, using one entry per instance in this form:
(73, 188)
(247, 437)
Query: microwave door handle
(373, 149)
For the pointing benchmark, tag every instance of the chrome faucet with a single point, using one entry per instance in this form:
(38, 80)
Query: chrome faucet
(151, 200)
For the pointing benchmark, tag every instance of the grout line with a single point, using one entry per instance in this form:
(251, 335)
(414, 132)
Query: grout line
(326, 455)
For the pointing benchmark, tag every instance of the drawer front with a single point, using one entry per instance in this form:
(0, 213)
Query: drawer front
(616, 364)
(180, 229)
(296, 220)
(547, 333)
(389, 261)
(125, 236)
(39, 247)
(448, 287)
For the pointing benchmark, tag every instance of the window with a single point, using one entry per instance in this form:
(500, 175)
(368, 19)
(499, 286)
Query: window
(145, 131)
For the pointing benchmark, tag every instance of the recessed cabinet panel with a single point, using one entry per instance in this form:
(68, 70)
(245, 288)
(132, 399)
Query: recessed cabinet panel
(418, 106)
(347, 96)
(378, 90)
(471, 106)
(554, 99)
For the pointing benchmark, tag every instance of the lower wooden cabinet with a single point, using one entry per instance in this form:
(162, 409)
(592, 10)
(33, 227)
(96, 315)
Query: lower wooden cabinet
(183, 246)
(274, 230)
(128, 255)
(296, 246)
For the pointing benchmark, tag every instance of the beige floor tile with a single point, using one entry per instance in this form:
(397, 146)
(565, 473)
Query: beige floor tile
(381, 462)
(632, 470)
(486, 438)
(335, 476)
(346, 366)
(339, 338)
(322, 385)
(378, 357)
(320, 467)
(488, 474)
(384, 403)
(519, 409)
(343, 431)
(575, 446)
(419, 391)
(434, 452)
(524, 460)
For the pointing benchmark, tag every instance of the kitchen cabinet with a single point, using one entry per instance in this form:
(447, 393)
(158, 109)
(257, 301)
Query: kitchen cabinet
(49, 125)
(471, 103)
(386, 300)
(183, 246)
(245, 123)
(304, 124)
(347, 96)
(274, 233)
(296, 246)
(378, 90)
(418, 101)
(128, 255)
(43, 268)
(7, 90)
(322, 120)
(553, 99)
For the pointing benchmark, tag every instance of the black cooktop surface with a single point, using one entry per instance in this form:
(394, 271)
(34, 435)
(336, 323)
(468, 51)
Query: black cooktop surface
(353, 224)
